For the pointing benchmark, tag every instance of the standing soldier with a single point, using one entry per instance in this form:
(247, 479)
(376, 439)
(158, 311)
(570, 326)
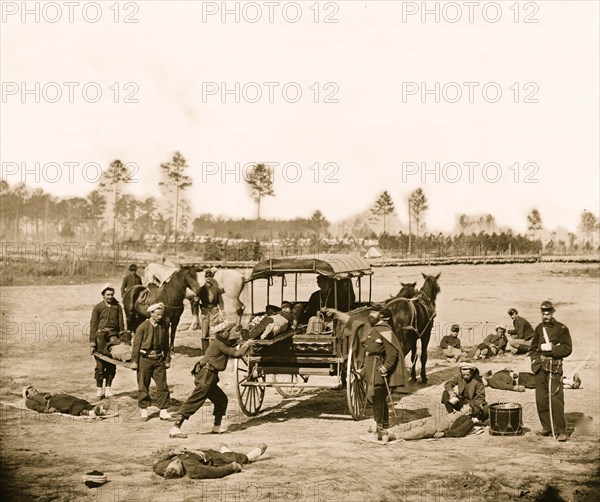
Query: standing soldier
(107, 321)
(151, 358)
(521, 335)
(211, 300)
(383, 366)
(130, 280)
(551, 343)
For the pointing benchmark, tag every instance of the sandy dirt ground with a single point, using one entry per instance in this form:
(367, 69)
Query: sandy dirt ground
(314, 451)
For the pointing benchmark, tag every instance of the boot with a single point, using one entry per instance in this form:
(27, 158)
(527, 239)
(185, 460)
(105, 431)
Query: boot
(99, 391)
(108, 391)
(218, 429)
(175, 431)
(144, 414)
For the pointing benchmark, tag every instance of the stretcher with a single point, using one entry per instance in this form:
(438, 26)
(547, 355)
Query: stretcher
(125, 364)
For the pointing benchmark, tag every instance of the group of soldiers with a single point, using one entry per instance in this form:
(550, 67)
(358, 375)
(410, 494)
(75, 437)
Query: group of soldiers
(383, 370)
(150, 359)
(464, 395)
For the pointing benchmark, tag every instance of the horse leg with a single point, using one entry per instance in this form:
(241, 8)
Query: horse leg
(413, 360)
(424, 344)
(240, 312)
(195, 307)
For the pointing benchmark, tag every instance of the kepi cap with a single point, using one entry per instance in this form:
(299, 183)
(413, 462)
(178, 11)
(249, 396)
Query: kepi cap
(547, 306)
(512, 311)
(133, 266)
(209, 273)
(455, 327)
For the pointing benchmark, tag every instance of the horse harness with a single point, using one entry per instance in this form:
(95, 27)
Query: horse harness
(431, 313)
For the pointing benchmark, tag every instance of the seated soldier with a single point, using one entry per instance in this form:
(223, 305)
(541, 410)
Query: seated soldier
(62, 403)
(466, 393)
(451, 346)
(274, 322)
(119, 347)
(492, 344)
(322, 298)
(207, 464)
(507, 379)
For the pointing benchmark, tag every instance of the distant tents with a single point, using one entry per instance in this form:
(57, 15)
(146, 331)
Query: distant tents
(373, 252)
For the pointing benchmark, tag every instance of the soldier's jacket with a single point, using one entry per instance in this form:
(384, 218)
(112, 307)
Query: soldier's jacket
(450, 341)
(559, 337)
(128, 282)
(523, 329)
(383, 349)
(499, 341)
(108, 317)
(472, 392)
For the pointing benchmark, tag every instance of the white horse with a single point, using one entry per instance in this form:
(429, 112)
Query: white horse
(231, 283)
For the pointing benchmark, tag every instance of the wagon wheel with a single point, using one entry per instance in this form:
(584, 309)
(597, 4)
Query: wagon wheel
(290, 391)
(356, 386)
(249, 397)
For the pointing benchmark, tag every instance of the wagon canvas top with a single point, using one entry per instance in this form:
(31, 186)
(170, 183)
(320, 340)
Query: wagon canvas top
(335, 266)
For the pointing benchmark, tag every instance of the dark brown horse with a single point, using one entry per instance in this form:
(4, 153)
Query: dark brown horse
(172, 293)
(413, 319)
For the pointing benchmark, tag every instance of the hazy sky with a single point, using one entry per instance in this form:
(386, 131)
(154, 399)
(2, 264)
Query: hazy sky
(375, 134)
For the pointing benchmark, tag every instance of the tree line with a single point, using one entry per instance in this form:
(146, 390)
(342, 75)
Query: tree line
(109, 213)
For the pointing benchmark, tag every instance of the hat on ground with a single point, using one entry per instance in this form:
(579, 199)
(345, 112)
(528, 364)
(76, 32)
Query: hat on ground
(25, 391)
(455, 327)
(133, 267)
(501, 328)
(209, 273)
(94, 479)
(156, 306)
(105, 287)
(547, 306)
(467, 366)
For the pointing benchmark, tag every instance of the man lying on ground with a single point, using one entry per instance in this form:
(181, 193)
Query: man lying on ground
(507, 379)
(62, 403)
(456, 424)
(206, 464)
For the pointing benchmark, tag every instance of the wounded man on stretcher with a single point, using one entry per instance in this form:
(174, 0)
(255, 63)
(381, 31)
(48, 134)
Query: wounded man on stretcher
(274, 322)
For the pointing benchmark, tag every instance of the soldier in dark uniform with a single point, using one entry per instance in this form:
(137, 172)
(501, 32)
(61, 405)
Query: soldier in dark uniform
(130, 280)
(206, 379)
(551, 343)
(44, 402)
(151, 358)
(211, 306)
(383, 360)
(521, 335)
(466, 393)
(107, 321)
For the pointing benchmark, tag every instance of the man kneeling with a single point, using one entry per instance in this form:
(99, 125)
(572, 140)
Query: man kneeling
(207, 464)
(62, 403)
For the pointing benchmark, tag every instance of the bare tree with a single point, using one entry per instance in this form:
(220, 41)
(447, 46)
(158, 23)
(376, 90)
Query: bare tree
(260, 182)
(417, 205)
(589, 225)
(111, 180)
(176, 181)
(534, 222)
(383, 207)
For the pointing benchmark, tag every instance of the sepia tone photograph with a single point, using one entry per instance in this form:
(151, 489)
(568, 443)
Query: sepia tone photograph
(309, 251)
